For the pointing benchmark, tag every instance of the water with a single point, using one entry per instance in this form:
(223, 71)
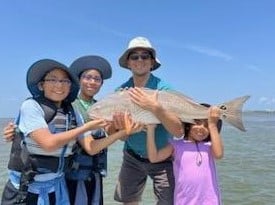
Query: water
(246, 173)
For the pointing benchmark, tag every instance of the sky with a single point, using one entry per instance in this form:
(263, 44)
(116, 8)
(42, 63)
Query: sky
(212, 51)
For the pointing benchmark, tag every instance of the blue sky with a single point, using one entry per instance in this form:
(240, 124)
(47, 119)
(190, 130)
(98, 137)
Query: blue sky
(212, 51)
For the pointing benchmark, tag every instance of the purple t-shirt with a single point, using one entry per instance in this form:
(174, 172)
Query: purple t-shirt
(195, 174)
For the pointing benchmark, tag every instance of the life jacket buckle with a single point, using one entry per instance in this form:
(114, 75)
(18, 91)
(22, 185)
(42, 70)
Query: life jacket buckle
(75, 165)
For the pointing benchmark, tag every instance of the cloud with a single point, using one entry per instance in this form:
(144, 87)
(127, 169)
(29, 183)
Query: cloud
(263, 100)
(254, 68)
(114, 32)
(198, 49)
(210, 52)
(267, 101)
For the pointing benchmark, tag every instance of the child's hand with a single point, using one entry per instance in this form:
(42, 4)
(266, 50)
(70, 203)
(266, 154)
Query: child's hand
(9, 132)
(118, 121)
(97, 123)
(213, 115)
(131, 127)
(136, 127)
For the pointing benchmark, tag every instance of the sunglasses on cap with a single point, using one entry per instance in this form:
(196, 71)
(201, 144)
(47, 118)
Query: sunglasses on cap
(143, 56)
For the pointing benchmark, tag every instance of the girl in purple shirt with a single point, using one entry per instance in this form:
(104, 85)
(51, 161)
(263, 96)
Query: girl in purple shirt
(196, 180)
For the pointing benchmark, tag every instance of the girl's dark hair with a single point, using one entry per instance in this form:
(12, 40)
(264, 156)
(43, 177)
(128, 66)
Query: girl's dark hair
(187, 126)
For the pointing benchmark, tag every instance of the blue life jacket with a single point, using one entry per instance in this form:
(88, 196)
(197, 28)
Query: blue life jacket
(21, 160)
(84, 165)
(19, 155)
(79, 166)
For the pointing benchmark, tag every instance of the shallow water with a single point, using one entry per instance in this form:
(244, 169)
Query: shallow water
(246, 173)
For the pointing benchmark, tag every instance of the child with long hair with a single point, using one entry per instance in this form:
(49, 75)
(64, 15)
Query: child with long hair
(196, 180)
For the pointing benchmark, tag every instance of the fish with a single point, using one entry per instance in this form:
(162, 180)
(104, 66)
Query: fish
(186, 109)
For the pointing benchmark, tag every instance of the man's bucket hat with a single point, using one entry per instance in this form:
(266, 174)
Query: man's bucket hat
(139, 42)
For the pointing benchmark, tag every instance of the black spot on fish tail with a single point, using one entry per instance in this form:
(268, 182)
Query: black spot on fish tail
(223, 107)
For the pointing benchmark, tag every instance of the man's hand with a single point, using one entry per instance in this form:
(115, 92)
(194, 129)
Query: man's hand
(145, 101)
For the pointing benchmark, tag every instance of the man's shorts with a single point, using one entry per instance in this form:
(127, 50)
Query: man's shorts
(133, 175)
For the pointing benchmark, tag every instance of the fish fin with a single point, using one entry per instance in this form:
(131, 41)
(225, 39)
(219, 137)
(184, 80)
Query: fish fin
(232, 111)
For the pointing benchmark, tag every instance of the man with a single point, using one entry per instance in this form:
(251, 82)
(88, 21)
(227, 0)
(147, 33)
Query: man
(140, 58)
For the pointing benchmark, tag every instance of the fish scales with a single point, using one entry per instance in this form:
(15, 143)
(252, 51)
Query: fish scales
(120, 102)
(183, 106)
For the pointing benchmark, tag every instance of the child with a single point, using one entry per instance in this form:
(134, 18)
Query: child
(92, 71)
(47, 141)
(193, 160)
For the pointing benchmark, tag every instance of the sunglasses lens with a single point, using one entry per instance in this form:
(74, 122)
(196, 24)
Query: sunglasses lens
(134, 57)
(143, 56)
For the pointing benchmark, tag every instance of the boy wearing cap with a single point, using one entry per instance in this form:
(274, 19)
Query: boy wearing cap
(140, 58)
(36, 167)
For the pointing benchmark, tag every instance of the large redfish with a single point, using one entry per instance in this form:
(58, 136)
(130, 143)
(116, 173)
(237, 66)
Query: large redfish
(184, 107)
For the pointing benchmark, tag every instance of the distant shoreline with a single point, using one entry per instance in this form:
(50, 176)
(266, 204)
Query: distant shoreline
(245, 112)
(259, 111)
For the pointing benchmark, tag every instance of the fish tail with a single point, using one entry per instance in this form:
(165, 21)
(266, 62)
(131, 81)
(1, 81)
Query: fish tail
(232, 112)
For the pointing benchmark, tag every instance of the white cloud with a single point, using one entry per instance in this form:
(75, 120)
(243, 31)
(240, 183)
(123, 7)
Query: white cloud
(210, 52)
(254, 68)
(267, 100)
(263, 100)
(113, 32)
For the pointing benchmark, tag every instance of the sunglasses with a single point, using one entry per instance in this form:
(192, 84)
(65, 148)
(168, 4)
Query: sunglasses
(143, 56)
